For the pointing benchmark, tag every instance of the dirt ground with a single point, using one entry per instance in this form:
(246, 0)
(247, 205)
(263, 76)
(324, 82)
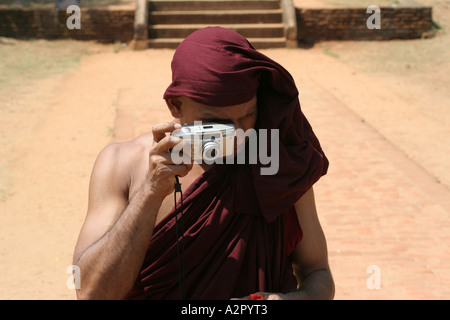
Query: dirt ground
(61, 102)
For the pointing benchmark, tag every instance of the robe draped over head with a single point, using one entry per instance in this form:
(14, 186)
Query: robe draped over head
(240, 225)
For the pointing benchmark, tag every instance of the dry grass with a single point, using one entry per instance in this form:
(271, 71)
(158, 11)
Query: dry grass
(51, 3)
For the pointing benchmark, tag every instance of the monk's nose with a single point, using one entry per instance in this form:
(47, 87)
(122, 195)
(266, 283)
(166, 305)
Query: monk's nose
(239, 125)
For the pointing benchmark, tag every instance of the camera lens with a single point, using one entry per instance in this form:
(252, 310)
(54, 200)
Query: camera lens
(211, 151)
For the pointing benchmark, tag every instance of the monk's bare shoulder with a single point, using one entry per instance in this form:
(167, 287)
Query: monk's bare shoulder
(124, 164)
(137, 151)
(126, 154)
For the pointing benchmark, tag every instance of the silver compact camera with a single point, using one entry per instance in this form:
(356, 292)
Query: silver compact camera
(209, 141)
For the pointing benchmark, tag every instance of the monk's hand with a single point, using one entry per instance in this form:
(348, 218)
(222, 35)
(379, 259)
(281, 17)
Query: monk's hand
(264, 296)
(162, 170)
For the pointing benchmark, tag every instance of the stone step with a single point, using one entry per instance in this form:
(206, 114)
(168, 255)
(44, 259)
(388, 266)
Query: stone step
(257, 30)
(215, 17)
(168, 5)
(260, 21)
(258, 43)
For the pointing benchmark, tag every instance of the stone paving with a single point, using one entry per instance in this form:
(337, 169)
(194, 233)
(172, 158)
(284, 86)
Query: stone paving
(385, 218)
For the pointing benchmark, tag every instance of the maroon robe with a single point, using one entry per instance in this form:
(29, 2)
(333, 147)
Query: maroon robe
(240, 226)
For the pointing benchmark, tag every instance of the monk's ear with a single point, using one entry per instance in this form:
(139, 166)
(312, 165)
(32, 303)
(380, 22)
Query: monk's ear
(175, 106)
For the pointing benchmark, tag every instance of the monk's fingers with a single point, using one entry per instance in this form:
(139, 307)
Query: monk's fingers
(179, 169)
(159, 130)
(172, 150)
(157, 158)
(166, 144)
(260, 296)
(161, 171)
(181, 153)
(161, 177)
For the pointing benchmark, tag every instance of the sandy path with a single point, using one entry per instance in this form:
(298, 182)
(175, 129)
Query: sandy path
(53, 143)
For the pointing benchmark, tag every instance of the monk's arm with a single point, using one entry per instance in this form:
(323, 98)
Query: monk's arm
(310, 257)
(114, 238)
(115, 235)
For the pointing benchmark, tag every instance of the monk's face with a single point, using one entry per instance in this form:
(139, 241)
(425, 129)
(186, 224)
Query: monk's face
(243, 115)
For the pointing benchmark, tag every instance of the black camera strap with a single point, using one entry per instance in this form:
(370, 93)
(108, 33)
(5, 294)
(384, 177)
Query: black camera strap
(180, 247)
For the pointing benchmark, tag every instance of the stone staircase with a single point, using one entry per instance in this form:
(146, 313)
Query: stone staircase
(168, 22)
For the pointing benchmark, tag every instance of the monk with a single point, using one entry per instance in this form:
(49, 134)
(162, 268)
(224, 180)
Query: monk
(235, 233)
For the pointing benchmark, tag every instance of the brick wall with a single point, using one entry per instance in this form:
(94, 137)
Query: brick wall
(350, 23)
(96, 24)
(314, 24)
